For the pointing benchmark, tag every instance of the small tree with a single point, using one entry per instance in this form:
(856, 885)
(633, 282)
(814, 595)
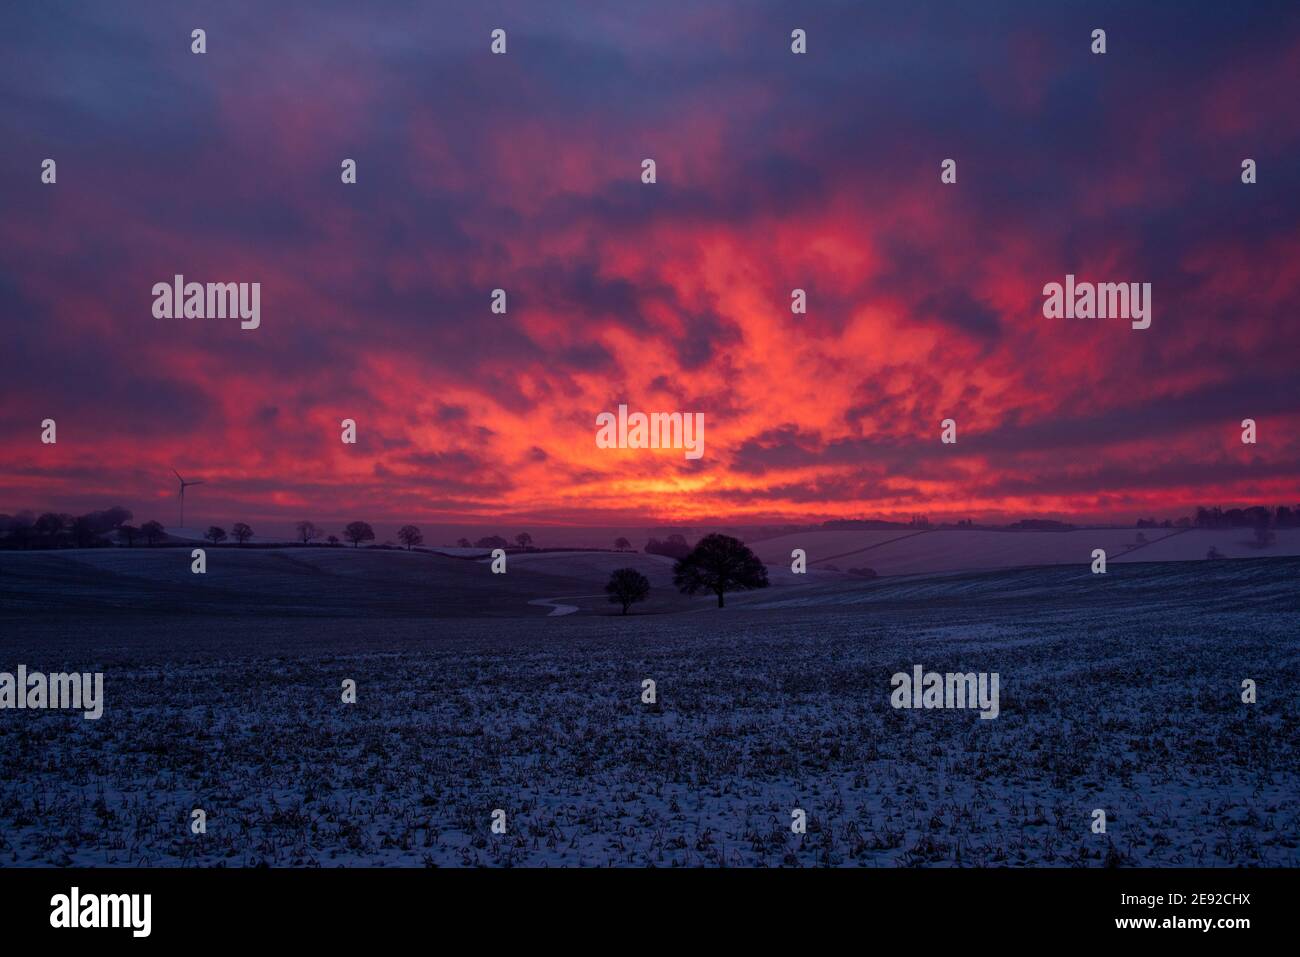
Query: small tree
(491, 541)
(524, 539)
(622, 544)
(241, 532)
(358, 532)
(215, 534)
(719, 564)
(128, 534)
(410, 536)
(307, 531)
(152, 532)
(627, 585)
(463, 543)
(333, 540)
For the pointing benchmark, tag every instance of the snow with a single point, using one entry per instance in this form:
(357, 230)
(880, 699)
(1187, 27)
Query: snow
(558, 609)
(905, 552)
(1119, 691)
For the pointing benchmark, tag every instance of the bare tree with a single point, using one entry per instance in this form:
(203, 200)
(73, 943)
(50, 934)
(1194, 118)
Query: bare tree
(410, 536)
(464, 543)
(241, 532)
(333, 540)
(152, 532)
(307, 531)
(215, 534)
(622, 544)
(627, 585)
(524, 539)
(358, 532)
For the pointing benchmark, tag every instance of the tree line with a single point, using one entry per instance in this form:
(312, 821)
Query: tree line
(61, 530)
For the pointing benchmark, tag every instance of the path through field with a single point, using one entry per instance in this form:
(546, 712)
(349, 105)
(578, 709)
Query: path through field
(558, 609)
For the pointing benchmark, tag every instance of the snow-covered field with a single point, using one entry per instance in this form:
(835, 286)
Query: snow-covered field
(905, 552)
(1119, 692)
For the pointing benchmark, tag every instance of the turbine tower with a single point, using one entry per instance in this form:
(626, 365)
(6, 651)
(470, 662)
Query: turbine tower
(183, 486)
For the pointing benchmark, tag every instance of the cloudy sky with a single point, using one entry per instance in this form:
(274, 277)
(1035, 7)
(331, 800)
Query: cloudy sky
(775, 171)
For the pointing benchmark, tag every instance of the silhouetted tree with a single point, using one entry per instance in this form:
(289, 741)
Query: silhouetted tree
(241, 532)
(128, 534)
(719, 563)
(358, 532)
(152, 532)
(464, 543)
(491, 541)
(1255, 516)
(215, 534)
(107, 520)
(410, 536)
(333, 540)
(674, 546)
(627, 585)
(622, 544)
(307, 531)
(524, 539)
(49, 525)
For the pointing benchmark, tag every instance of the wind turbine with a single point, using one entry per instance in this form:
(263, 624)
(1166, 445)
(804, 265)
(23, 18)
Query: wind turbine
(183, 486)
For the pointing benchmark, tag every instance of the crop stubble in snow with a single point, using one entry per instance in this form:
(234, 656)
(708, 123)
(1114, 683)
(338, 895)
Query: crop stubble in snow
(1125, 696)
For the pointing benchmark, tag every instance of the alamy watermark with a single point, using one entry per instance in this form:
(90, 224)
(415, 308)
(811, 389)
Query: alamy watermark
(179, 299)
(1103, 300)
(75, 909)
(658, 430)
(930, 689)
(36, 690)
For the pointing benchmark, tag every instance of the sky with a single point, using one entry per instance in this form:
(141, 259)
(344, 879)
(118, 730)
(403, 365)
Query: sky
(775, 171)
